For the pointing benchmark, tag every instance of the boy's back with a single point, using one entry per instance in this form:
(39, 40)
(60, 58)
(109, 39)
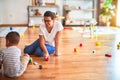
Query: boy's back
(11, 60)
(13, 64)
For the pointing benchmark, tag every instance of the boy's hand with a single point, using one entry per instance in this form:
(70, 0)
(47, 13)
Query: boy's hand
(26, 55)
(0, 64)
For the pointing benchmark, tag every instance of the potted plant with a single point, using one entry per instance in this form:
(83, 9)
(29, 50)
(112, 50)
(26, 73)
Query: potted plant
(107, 11)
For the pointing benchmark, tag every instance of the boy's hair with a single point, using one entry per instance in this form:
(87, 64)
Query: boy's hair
(13, 37)
(49, 14)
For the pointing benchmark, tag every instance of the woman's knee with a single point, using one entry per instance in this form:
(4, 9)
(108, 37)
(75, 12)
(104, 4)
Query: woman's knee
(28, 50)
(39, 52)
(31, 48)
(50, 49)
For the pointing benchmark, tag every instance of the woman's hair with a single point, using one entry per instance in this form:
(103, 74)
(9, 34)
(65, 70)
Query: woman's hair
(13, 37)
(49, 14)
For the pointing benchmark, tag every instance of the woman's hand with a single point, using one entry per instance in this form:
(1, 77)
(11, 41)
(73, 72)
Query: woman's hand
(57, 53)
(46, 56)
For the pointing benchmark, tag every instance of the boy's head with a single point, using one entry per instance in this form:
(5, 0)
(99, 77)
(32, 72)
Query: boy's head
(12, 38)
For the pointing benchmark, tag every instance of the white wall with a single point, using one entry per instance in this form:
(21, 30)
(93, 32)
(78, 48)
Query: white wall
(60, 4)
(1, 11)
(13, 11)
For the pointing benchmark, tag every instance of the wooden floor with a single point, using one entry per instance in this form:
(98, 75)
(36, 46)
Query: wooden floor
(81, 65)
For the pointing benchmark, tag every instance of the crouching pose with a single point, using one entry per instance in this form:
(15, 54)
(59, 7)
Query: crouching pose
(13, 63)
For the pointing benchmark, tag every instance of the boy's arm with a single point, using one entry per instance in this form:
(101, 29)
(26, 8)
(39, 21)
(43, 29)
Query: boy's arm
(1, 59)
(0, 64)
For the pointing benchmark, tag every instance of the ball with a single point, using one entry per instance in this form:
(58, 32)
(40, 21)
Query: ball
(30, 60)
(75, 49)
(11, 28)
(81, 44)
(98, 43)
(47, 59)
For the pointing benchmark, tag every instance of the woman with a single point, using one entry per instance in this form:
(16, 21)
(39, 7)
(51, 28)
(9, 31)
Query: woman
(49, 37)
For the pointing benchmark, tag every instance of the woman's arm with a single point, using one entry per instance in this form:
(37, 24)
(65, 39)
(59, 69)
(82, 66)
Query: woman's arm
(42, 45)
(57, 42)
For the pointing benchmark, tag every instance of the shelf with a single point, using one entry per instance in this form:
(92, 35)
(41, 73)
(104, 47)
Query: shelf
(37, 16)
(44, 6)
(77, 12)
(37, 20)
(81, 9)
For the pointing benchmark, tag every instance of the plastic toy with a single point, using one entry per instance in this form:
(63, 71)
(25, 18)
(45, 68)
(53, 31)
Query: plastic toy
(31, 60)
(75, 49)
(94, 51)
(47, 58)
(40, 67)
(37, 13)
(98, 43)
(81, 44)
(118, 45)
(96, 37)
(35, 63)
(33, 27)
(22, 35)
(11, 28)
(57, 16)
(108, 55)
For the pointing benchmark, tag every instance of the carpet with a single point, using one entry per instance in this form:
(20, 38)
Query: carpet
(99, 30)
(5, 30)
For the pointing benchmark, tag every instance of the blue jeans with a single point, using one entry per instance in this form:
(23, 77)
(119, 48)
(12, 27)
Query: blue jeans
(36, 49)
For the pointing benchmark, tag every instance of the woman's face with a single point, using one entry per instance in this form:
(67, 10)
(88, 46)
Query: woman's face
(48, 21)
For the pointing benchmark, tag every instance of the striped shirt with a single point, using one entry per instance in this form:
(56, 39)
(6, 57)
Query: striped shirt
(10, 57)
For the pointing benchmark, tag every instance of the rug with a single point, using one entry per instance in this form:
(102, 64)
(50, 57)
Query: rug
(99, 30)
(5, 30)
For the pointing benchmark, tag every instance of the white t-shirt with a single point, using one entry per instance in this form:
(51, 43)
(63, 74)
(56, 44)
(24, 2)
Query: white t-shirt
(11, 61)
(49, 37)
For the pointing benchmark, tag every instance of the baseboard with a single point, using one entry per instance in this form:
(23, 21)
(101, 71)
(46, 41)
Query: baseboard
(13, 24)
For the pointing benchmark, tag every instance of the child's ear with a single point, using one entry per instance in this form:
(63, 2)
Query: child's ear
(7, 42)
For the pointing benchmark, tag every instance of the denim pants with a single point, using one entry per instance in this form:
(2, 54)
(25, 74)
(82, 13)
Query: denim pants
(36, 49)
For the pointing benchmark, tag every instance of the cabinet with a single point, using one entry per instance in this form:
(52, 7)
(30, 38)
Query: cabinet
(79, 12)
(35, 14)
